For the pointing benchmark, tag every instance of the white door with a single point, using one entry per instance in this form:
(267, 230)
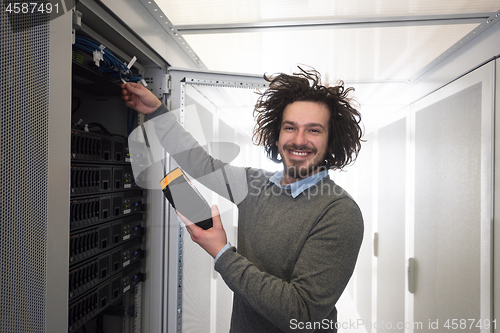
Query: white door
(453, 205)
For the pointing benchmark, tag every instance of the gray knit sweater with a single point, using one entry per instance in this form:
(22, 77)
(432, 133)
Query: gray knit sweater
(295, 255)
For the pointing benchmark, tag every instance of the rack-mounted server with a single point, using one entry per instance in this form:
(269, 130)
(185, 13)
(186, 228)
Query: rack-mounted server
(92, 178)
(88, 274)
(92, 210)
(91, 242)
(88, 306)
(97, 147)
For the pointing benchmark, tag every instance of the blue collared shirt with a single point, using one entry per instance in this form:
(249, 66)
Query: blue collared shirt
(296, 188)
(299, 186)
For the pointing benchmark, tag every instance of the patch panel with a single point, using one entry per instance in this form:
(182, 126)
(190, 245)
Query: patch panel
(87, 211)
(91, 273)
(90, 242)
(93, 179)
(97, 147)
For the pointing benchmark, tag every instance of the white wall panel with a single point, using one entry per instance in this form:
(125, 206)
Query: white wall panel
(496, 235)
(391, 225)
(453, 201)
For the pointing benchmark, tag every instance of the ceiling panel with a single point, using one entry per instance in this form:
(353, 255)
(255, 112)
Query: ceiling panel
(376, 61)
(357, 54)
(377, 46)
(195, 12)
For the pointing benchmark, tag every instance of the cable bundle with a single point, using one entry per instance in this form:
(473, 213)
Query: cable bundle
(107, 62)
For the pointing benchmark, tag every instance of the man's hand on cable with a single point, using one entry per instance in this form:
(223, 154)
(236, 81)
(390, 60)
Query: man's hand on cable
(139, 98)
(211, 240)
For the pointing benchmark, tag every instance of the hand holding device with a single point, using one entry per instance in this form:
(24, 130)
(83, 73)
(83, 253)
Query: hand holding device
(211, 240)
(185, 198)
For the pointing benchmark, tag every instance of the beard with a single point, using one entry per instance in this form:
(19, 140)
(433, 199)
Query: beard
(301, 169)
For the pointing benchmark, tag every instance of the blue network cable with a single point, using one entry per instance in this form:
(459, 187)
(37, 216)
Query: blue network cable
(109, 65)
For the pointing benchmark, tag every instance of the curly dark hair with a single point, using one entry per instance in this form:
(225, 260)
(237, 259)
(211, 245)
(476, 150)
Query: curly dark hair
(344, 132)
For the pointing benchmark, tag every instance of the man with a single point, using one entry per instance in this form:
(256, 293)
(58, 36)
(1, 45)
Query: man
(298, 232)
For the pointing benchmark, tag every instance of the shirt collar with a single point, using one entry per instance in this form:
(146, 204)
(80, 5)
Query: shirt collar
(299, 186)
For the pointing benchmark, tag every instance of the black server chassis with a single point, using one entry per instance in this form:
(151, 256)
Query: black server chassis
(106, 225)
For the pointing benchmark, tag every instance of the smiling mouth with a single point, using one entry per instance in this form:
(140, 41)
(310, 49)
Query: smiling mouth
(298, 152)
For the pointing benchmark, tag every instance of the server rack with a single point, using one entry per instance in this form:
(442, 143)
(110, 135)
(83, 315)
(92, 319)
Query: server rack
(107, 268)
(108, 210)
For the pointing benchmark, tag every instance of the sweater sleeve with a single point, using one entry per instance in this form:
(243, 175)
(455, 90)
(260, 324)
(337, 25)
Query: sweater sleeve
(226, 180)
(319, 277)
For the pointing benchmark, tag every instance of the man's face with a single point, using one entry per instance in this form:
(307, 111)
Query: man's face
(303, 139)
